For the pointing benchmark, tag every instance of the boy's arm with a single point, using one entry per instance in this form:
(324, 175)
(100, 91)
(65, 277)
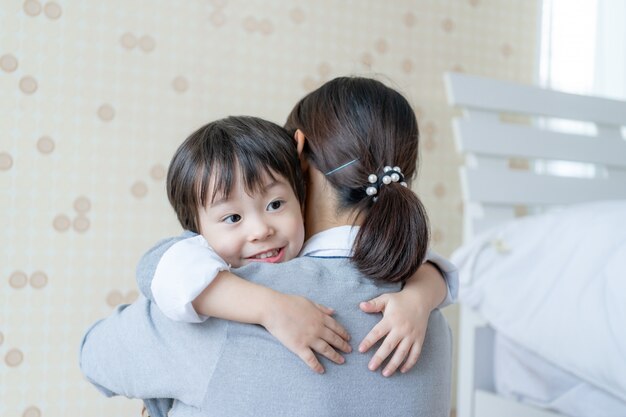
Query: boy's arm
(191, 283)
(406, 313)
(149, 261)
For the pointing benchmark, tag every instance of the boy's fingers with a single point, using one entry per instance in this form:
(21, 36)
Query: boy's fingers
(389, 344)
(379, 331)
(309, 358)
(414, 355)
(398, 357)
(335, 340)
(326, 310)
(375, 305)
(333, 325)
(324, 349)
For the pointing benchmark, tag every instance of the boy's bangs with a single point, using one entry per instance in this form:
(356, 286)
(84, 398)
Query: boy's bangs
(222, 176)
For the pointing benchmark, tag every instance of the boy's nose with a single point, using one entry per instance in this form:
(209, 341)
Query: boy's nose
(261, 230)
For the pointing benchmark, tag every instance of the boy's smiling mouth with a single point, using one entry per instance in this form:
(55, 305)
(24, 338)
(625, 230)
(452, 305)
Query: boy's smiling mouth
(271, 256)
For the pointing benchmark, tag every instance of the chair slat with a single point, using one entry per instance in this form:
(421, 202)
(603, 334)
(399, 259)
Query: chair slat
(502, 96)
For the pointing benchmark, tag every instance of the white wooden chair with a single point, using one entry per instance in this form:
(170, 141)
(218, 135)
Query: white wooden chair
(493, 192)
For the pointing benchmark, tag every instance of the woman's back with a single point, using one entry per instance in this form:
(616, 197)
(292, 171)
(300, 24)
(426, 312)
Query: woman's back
(256, 375)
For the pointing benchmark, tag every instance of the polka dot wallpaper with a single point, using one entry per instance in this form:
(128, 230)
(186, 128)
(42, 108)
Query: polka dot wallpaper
(96, 96)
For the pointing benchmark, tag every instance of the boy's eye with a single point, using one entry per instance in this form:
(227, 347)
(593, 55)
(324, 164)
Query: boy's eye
(275, 205)
(233, 218)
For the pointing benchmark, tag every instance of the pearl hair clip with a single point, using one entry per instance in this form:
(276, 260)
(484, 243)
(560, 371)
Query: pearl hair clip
(389, 175)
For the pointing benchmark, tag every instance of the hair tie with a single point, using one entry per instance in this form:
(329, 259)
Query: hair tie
(389, 175)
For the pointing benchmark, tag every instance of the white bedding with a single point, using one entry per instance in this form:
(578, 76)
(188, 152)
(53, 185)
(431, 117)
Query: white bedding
(556, 284)
(528, 378)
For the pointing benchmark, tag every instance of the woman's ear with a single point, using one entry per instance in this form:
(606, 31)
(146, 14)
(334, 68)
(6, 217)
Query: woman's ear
(300, 140)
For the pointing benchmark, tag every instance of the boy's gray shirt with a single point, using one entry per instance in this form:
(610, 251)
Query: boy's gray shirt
(223, 368)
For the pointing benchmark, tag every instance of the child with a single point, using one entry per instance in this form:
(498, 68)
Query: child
(237, 182)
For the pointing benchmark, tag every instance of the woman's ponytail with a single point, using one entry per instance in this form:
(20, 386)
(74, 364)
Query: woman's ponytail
(393, 239)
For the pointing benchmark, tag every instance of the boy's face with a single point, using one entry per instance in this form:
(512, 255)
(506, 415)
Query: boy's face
(264, 227)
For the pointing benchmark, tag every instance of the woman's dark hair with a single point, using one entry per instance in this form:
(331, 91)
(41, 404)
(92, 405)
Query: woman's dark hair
(352, 118)
(225, 151)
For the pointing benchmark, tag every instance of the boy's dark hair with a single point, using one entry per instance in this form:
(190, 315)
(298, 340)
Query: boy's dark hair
(225, 151)
(352, 118)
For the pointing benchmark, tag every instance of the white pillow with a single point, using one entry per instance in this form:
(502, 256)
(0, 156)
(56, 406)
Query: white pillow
(556, 284)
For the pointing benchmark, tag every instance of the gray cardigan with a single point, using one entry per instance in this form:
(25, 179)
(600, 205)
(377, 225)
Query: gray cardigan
(223, 368)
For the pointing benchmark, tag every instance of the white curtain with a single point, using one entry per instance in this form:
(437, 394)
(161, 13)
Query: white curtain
(583, 47)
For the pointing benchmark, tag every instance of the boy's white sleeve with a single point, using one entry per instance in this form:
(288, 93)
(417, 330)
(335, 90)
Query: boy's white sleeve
(183, 272)
(450, 275)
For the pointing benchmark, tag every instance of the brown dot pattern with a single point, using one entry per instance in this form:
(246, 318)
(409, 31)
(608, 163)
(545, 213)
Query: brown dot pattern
(6, 161)
(157, 172)
(309, 84)
(430, 128)
(32, 7)
(128, 40)
(429, 144)
(180, 84)
(139, 189)
(52, 10)
(409, 19)
(506, 50)
(439, 190)
(45, 145)
(8, 63)
(521, 211)
(14, 357)
(458, 68)
(81, 224)
(38, 279)
(438, 236)
(407, 66)
(382, 46)
(18, 279)
(32, 411)
(28, 85)
(114, 298)
(519, 164)
(147, 43)
(106, 112)
(61, 223)
(474, 3)
(264, 26)
(324, 69)
(82, 204)
(447, 25)
(218, 18)
(297, 15)
(367, 60)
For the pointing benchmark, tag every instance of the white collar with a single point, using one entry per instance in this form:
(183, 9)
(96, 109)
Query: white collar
(336, 241)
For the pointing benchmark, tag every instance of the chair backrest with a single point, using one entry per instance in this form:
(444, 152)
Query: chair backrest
(508, 126)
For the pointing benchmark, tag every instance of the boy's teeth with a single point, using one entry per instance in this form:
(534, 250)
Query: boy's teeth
(269, 254)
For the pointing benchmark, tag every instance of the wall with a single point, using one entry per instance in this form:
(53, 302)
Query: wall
(96, 96)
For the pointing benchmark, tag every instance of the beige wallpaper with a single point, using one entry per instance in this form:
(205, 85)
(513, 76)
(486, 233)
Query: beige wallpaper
(96, 95)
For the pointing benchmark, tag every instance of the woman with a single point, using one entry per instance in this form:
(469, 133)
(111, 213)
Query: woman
(346, 132)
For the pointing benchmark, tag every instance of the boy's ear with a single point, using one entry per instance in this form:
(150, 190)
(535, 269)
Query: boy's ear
(300, 140)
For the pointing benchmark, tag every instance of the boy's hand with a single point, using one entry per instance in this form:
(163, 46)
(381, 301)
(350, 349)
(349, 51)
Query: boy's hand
(305, 327)
(403, 326)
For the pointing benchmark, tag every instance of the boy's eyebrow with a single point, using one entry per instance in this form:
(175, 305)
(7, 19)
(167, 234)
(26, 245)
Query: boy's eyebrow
(264, 189)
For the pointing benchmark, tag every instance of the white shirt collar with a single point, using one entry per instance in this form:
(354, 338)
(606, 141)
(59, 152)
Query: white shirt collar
(336, 241)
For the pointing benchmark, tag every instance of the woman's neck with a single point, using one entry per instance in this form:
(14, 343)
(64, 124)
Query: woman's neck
(322, 208)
